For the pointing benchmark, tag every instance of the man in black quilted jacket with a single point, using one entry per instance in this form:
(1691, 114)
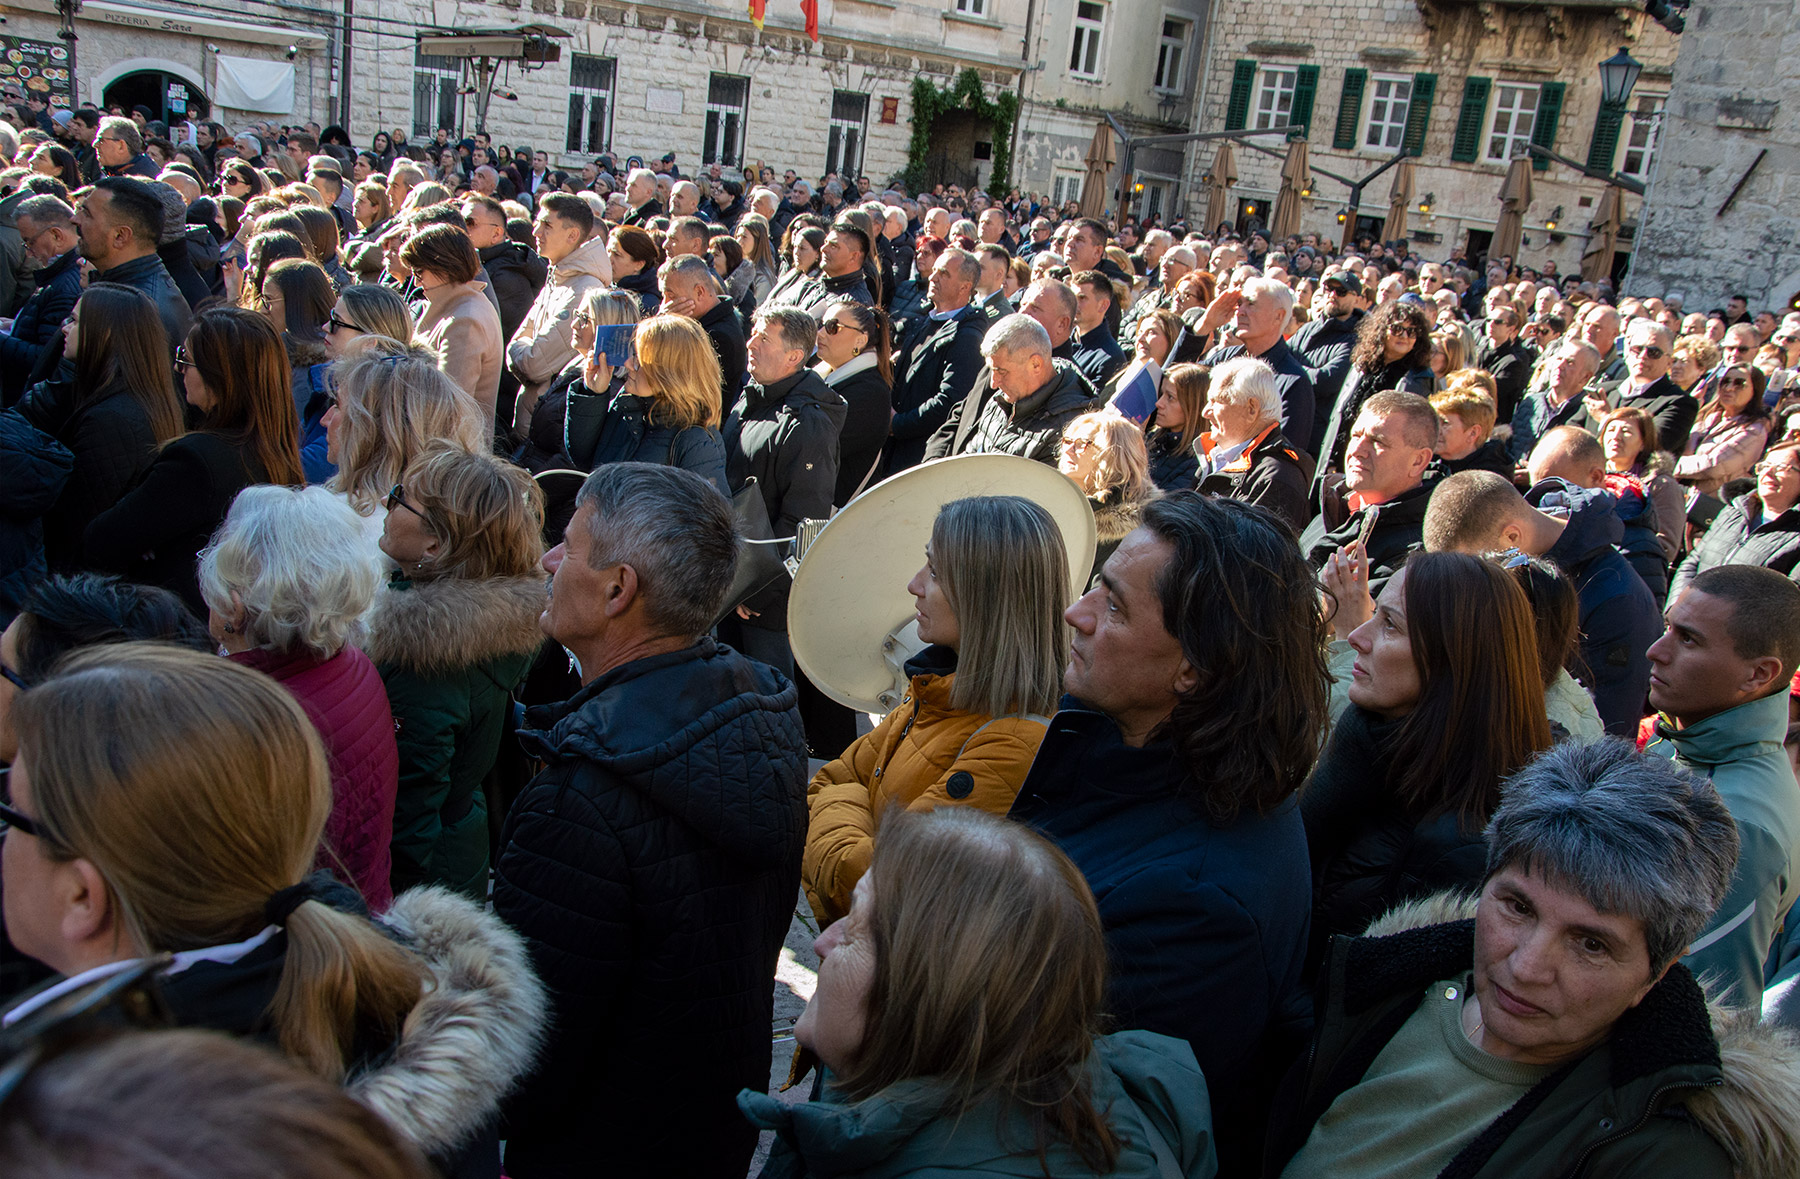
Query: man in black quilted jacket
(653, 865)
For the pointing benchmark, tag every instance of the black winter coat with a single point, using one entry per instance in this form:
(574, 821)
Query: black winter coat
(154, 534)
(934, 369)
(1273, 474)
(1510, 365)
(38, 323)
(515, 276)
(1324, 346)
(786, 435)
(1033, 428)
(652, 868)
(113, 445)
(643, 285)
(868, 401)
(1173, 467)
(1291, 377)
(149, 275)
(1744, 535)
(724, 330)
(1368, 854)
(33, 469)
(179, 262)
(574, 428)
(1399, 529)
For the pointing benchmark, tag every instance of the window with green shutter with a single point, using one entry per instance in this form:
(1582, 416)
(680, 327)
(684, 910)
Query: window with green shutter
(1549, 114)
(1243, 82)
(1467, 143)
(1418, 116)
(1349, 113)
(1604, 147)
(1306, 85)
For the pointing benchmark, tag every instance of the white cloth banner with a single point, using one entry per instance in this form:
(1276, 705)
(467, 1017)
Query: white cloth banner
(253, 84)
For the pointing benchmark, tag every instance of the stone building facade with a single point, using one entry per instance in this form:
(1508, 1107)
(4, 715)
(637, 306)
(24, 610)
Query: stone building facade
(695, 77)
(1136, 60)
(1724, 204)
(1467, 85)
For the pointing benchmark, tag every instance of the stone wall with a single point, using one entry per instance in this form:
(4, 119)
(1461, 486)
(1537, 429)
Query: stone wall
(1732, 120)
(1502, 41)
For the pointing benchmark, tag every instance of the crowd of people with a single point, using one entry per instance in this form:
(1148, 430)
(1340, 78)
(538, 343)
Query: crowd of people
(1410, 791)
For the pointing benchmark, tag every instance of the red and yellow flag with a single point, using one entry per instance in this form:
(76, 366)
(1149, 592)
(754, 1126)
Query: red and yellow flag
(757, 8)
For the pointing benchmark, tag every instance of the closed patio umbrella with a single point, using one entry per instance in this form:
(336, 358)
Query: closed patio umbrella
(1101, 159)
(1286, 218)
(1218, 192)
(1399, 200)
(1515, 198)
(1597, 259)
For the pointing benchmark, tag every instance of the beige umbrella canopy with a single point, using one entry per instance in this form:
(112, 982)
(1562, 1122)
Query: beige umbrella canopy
(1399, 201)
(1218, 191)
(1515, 198)
(1597, 259)
(1101, 159)
(1286, 218)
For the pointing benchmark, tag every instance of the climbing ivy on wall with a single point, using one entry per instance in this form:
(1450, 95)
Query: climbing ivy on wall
(966, 94)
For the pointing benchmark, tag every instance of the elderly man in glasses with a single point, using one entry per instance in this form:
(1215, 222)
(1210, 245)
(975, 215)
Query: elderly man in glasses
(1649, 349)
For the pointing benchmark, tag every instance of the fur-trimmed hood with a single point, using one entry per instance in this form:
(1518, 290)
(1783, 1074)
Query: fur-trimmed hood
(1754, 1115)
(1117, 518)
(474, 1033)
(434, 627)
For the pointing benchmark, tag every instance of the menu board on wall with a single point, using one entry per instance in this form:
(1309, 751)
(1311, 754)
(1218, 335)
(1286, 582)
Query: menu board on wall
(42, 69)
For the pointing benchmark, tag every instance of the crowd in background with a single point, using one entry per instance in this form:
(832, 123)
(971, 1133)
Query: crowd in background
(1409, 790)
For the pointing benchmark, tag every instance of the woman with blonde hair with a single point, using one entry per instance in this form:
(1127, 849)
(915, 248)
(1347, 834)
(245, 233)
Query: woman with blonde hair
(1103, 452)
(453, 632)
(958, 1014)
(167, 802)
(1448, 353)
(990, 603)
(392, 402)
(286, 580)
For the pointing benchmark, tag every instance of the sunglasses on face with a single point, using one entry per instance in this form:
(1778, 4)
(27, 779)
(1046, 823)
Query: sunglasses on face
(1403, 332)
(182, 360)
(9, 817)
(396, 498)
(1733, 382)
(1649, 351)
(832, 327)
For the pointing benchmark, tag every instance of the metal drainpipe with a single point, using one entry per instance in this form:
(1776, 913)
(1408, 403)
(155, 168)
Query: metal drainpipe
(344, 74)
(1200, 91)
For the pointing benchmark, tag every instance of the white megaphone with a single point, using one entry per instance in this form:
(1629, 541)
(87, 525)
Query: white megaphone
(850, 619)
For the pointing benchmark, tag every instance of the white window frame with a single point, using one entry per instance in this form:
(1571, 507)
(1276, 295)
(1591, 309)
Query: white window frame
(1087, 44)
(1646, 117)
(972, 7)
(1175, 46)
(585, 97)
(443, 77)
(1510, 126)
(1383, 120)
(846, 139)
(719, 146)
(1273, 83)
(1065, 186)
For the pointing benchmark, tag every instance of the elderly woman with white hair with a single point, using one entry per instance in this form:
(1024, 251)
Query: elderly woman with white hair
(1245, 456)
(286, 580)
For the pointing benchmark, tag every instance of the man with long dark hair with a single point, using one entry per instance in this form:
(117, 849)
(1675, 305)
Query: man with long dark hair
(1197, 697)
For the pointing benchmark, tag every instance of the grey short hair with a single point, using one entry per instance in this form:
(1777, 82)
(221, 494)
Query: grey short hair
(675, 530)
(1159, 237)
(1058, 290)
(299, 562)
(637, 174)
(124, 129)
(408, 171)
(45, 210)
(1179, 254)
(1018, 336)
(797, 329)
(1248, 379)
(690, 268)
(1268, 288)
(1631, 833)
(967, 264)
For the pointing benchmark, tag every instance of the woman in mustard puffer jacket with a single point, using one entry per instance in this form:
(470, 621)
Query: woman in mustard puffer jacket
(990, 604)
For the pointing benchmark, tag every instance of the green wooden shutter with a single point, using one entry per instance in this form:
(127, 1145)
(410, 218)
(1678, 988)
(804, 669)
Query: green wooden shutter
(1467, 143)
(1418, 115)
(1549, 114)
(1605, 145)
(1306, 86)
(1349, 116)
(1243, 82)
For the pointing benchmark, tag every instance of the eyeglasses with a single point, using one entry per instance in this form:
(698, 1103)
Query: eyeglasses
(10, 817)
(14, 678)
(396, 498)
(1403, 331)
(1077, 445)
(182, 361)
(1733, 382)
(832, 327)
(333, 323)
(71, 1020)
(1511, 558)
(1773, 468)
(1650, 351)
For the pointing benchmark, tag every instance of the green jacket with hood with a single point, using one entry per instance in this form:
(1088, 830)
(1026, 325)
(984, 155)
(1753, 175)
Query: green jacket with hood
(1740, 750)
(1138, 1078)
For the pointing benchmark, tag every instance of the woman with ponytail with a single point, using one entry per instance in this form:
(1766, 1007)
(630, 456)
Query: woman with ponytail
(166, 802)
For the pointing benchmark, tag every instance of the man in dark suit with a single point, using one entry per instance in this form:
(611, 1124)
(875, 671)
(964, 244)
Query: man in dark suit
(640, 194)
(1648, 353)
(1507, 358)
(939, 359)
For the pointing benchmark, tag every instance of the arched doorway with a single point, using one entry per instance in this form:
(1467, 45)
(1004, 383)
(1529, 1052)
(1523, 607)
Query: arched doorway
(171, 97)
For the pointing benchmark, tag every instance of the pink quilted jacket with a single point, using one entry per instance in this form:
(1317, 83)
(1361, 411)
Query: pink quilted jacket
(348, 704)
